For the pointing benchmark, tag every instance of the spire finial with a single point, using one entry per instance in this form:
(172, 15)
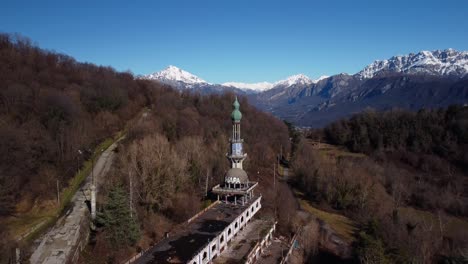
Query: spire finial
(236, 115)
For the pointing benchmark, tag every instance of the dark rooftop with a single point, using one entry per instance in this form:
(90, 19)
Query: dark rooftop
(182, 245)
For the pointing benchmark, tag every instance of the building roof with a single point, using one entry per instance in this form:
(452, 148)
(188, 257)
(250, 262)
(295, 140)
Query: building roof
(187, 240)
(236, 175)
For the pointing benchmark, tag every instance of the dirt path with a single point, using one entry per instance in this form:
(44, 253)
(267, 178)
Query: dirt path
(62, 241)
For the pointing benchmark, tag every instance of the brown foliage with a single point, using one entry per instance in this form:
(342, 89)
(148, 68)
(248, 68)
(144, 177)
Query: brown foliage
(51, 106)
(428, 147)
(373, 193)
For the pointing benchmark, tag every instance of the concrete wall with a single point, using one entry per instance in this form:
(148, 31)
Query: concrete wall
(202, 211)
(293, 240)
(219, 243)
(84, 232)
(258, 249)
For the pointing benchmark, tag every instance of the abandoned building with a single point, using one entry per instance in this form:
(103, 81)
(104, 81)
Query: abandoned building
(225, 232)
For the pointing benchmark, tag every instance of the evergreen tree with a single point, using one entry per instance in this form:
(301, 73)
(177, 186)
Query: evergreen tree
(120, 228)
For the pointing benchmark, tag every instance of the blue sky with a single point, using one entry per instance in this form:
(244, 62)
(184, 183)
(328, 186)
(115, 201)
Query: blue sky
(248, 41)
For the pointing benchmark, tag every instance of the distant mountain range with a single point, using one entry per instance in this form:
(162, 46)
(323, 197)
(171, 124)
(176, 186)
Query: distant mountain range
(184, 80)
(447, 62)
(181, 79)
(423, 80)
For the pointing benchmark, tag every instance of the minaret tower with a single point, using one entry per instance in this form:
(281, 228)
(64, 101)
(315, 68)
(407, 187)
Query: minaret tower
(237, 189)
(236, 155)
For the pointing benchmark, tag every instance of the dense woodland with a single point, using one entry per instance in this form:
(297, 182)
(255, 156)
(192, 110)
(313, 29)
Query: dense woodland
(51, 106)
(433, 143)
(175, 148)
(408, 193)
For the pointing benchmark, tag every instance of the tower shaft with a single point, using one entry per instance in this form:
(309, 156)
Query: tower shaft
(236, 153)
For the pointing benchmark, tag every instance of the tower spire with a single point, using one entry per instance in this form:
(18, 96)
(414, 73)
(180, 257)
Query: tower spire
(236, 155)
(236, 181)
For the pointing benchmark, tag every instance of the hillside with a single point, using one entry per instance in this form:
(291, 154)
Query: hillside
(54, 111)
(400, 175)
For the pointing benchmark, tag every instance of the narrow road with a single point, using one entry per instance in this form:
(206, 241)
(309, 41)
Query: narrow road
(61, 242)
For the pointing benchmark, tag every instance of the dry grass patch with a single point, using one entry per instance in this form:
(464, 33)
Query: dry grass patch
(342, 225)
(451, 225)
(333, 151)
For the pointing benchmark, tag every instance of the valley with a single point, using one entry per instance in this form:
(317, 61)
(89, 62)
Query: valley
(427, 79)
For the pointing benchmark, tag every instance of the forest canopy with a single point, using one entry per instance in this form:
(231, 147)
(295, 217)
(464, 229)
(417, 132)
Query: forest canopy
(401, 175)
(440, 132)
(51, 106)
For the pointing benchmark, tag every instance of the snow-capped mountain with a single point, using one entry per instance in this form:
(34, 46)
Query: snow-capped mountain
(447, 62)
(172, 73)
(299, 79)
(426, 79)
(294, 80)
(323, 77)
(181, 79)
(184, 80)
(259, 87)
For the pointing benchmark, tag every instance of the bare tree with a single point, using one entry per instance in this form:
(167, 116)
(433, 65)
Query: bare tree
(158, 170)
(309, 238)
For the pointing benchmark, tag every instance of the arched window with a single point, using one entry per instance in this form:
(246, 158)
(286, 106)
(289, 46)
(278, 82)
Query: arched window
(235, 225)
(247, 213)
(213, 248)
(229, 231)
(205, 255)
(252, 209)
(222, 237)
(242, 219)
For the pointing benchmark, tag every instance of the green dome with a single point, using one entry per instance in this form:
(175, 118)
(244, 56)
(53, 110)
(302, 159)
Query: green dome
(236, 115)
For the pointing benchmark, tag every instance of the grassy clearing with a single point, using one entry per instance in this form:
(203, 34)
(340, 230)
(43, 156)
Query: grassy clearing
(333, 151)
(452, 225)
(342, 225)
(28, 226)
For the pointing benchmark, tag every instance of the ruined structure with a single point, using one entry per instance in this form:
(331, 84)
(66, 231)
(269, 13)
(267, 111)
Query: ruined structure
(236, 187)
(209, 234)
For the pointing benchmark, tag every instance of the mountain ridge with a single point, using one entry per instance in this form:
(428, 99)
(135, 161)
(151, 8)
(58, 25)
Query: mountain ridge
(182, 79)
(448, 62)
(437, 62)
(424, 79)
(415, 81)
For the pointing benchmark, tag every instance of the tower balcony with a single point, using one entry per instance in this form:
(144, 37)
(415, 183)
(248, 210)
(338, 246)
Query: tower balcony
(236, 156)
(225, 190)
